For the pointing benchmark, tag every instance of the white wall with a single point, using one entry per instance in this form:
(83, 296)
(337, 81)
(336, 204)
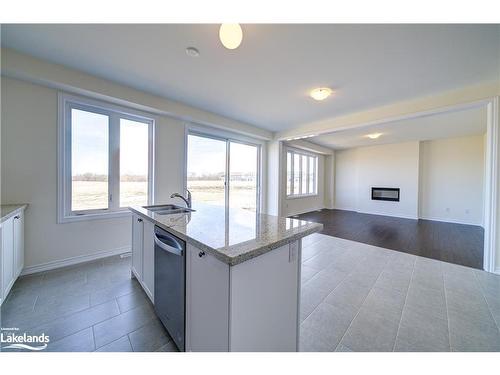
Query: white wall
(452, 179)
(360, 169)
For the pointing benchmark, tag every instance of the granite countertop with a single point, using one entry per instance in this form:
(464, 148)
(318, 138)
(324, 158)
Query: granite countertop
(9, 210)
(235, 238)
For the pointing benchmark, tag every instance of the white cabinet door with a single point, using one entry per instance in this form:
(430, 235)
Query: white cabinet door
(8, 277)
(137, 244)
(18, 244)
(207, 302)
(148, 259)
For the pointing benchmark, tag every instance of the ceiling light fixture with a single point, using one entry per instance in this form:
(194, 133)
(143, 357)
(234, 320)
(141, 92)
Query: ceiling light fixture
(374, 135)
(193, 52)
(230, 35)
(321, 93)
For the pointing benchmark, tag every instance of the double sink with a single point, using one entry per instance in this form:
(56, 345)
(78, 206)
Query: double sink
(168, 209)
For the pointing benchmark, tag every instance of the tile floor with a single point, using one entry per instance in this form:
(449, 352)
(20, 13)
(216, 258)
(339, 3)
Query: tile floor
(91, 307)
(355, 297)
(358, 297)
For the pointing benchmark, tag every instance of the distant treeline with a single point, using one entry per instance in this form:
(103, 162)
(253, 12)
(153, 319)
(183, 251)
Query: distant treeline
(103, 177)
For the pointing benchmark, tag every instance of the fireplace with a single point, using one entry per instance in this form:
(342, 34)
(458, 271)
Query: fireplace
(385, 194)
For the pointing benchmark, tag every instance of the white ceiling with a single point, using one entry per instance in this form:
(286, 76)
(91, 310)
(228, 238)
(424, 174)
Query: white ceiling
(446, 125)
(265, 82)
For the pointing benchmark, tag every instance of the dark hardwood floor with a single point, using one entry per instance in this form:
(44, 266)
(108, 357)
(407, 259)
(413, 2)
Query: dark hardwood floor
(449, 242)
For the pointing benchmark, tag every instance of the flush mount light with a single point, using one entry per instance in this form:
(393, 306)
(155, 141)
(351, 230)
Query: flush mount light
(321, 93)
(230, 35)
(374, 135)
(193, 52)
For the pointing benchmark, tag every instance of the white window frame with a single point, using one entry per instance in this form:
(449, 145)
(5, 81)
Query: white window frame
(301, 154)
(66, 103)
(207, 132)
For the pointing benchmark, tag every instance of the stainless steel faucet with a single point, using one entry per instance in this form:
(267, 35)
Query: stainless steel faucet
(186, 200)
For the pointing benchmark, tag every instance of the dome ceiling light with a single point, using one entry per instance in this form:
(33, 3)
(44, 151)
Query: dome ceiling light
(321, 93)
(230, 35)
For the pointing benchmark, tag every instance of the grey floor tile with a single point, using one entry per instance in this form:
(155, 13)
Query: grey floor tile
(82, 341)
(329, 323)
(321, 260)
(149, 337)
(120, 325)
(422, 333)
(56, 306)
(114, 291)
(310, 341)
(397, 279)
(371, 332)
(310, 298)
(120, 345)
(326, 280)
(473, 333)
(169, 347)
(76, 322)
(426, 301)
(306, 273)
(343, 348)
(132, 300)
(387, 302)
(349, 294)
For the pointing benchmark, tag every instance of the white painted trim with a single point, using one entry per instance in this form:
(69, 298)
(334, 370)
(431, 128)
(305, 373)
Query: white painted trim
(114, 112)
(74, 260)
(491, 199)
(378, 213)
(446, 220)
(497, 271)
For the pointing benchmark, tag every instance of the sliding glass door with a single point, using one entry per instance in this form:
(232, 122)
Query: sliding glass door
(223, 172)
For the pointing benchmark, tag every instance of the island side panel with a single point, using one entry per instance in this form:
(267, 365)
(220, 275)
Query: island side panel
(264, 302)
(207, 302)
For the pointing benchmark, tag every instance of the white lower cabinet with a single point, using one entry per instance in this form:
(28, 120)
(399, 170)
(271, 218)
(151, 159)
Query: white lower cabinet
(12, 252)
(252, 306)
(143, 254)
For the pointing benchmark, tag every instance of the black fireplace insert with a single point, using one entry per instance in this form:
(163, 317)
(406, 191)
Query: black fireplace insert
(385, 194)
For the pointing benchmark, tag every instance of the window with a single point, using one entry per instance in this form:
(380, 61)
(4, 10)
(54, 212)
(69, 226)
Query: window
(222, 171)
(301, 174)
(105, 159)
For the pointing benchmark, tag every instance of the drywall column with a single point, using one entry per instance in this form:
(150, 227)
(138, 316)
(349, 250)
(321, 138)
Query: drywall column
(330, 181)
(274, 151)
(492, 191)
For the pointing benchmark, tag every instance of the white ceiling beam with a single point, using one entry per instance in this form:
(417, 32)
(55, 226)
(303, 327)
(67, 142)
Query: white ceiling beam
(467, 97)
(24, 67)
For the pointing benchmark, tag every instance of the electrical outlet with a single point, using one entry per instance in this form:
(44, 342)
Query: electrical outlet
(447, 209)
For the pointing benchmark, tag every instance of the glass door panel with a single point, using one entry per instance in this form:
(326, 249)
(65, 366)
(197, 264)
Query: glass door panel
(206, 169)
(243, 173)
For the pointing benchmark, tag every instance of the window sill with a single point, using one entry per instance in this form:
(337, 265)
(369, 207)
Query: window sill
(94, 216)
(302, 196)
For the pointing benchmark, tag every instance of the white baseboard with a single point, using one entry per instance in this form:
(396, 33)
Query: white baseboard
(74, 260)
(386, 214)
(497, 271)
(446, 220)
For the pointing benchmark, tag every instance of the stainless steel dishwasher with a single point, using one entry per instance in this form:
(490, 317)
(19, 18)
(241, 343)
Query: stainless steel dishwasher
(170, 284)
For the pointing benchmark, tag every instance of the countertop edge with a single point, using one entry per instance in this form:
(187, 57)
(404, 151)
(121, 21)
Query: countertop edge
(22, 206)
(233, 261)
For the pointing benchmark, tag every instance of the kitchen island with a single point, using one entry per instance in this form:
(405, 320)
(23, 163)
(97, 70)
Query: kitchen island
(242, 275)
